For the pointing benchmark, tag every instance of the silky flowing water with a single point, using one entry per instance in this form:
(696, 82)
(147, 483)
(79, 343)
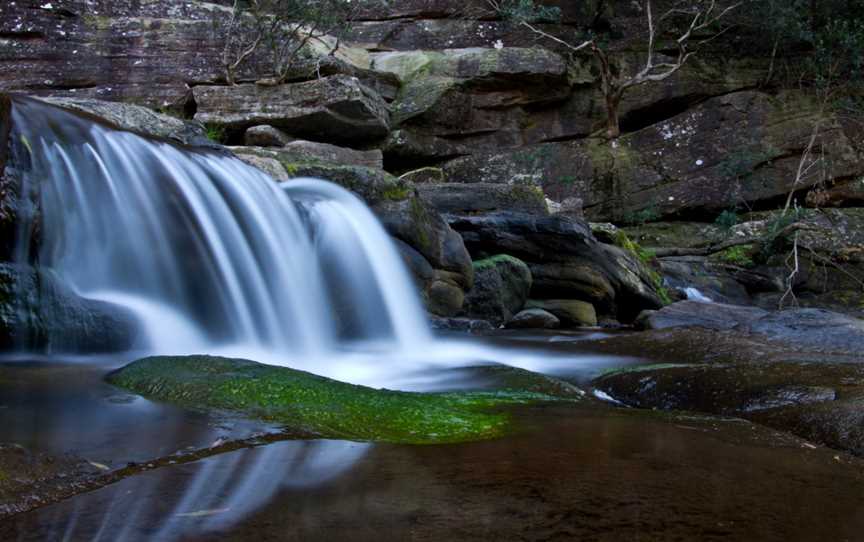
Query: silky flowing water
(213, 257)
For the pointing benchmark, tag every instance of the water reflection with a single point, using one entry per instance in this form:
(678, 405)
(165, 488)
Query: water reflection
(580, 474)
(211, 495)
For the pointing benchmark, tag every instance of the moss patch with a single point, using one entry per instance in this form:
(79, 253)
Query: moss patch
(648, 258)
(321, 406)
(487, 263)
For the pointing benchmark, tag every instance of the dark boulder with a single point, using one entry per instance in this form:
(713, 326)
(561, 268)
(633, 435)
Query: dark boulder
(716, 316)
(39, 313)
(501, 287)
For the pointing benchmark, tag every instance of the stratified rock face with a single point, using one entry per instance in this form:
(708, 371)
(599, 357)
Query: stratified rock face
(337, 108)
(501, 287)
(741, 147)
(40, 313)
(150, 53)
(119, 51)
(457, 198)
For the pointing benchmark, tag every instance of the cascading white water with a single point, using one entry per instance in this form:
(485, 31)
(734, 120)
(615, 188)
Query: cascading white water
(208, 251)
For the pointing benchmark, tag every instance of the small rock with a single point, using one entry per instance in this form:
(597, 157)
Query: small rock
(534, 319)
(571, 312)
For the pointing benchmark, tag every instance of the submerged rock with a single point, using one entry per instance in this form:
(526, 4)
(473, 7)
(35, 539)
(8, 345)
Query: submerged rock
(321, 406)
(29, 480)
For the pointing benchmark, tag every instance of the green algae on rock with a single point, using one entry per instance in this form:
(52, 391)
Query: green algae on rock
(323, 407)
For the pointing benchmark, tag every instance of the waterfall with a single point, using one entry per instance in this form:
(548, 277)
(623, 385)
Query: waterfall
(206, 251)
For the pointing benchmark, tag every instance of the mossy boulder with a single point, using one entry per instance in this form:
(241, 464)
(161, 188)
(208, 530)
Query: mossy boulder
(321, 407)
(501, 287)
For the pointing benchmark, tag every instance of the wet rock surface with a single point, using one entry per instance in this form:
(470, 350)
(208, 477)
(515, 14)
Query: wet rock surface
(29, 480)
(813, 330)
(38, 312)
(792, 386)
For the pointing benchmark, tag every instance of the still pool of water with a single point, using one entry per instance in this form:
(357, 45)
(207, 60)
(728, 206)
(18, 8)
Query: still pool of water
(587, 472)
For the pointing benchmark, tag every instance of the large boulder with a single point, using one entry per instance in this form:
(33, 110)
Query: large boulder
(416, 223)
(283, 164)
(338, 108)
(814, 330)
(39, 313)
(717, 316)
(501, 287)
(296, 152)
(138, 119)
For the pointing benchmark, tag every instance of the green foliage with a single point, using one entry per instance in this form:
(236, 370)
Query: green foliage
(831, 32)
(215, 133)
(727, 220)
(274, 36)
(396, 192)
(739, 256)
(647, 257)
(320, 406)
(487, 263)
(642, 217)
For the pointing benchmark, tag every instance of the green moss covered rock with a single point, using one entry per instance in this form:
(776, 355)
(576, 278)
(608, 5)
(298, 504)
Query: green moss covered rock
(320, 406)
